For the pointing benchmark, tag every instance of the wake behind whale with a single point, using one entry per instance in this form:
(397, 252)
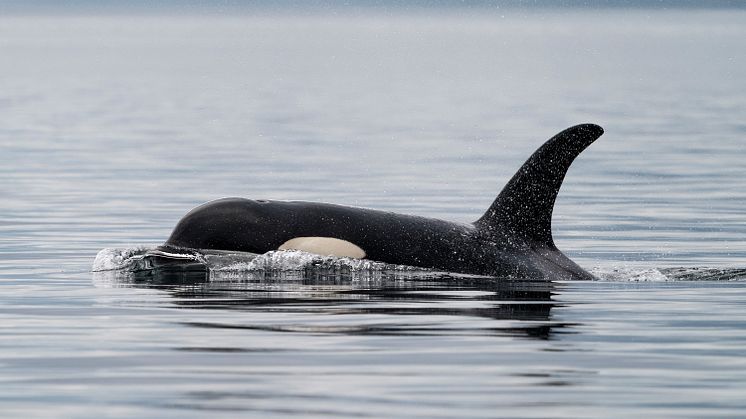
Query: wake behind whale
(513, 238)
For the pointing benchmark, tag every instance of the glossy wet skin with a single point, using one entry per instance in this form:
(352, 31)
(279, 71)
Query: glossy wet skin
(259, 226)
(513, 238)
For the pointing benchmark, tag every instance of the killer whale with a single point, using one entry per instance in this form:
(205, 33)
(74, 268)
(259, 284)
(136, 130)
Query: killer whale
(513, 238)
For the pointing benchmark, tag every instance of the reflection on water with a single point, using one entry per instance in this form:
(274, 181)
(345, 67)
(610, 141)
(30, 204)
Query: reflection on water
(519, 308)
(398, 345)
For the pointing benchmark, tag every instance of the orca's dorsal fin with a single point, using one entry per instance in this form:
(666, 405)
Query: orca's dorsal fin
(524, 207)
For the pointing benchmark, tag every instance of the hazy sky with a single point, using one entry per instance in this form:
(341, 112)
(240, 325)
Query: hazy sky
(220, 6)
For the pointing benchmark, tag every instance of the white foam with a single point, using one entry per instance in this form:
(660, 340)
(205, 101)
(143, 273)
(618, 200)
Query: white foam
(112, 259)
(678, 274)
(295, 260)
(300, 262)
(629, 274)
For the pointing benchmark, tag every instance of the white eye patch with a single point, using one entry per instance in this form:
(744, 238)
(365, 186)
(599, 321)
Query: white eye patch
(325, 246)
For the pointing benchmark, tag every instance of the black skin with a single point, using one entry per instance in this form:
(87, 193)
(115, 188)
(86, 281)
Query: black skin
(513, 238)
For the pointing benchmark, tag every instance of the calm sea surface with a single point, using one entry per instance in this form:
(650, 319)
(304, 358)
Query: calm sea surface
(113, 127)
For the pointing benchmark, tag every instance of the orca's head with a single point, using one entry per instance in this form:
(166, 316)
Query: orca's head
(226, 223)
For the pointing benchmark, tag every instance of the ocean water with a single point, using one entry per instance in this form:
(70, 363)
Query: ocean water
(113, 126)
